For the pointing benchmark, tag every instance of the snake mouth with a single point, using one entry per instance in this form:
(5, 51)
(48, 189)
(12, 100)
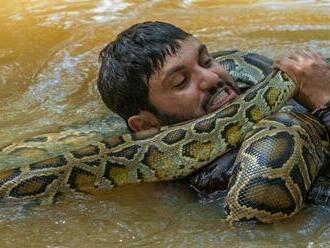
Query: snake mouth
(222, 97)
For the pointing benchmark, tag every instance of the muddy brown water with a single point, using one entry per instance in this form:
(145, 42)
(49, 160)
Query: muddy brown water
(48, 69)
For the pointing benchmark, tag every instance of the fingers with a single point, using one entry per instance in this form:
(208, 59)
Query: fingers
(289, 65)
(303, 54)
(299, 60)
(313, 54)
(285, 63)
(297, 64)
(300, 55)
(310, 71)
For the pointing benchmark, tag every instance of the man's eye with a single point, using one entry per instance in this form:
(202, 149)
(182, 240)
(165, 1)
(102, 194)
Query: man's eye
(182, 83)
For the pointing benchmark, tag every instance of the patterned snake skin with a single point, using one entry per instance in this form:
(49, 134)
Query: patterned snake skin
(280, 155)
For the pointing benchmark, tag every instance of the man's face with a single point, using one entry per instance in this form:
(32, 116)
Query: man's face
(189, 85)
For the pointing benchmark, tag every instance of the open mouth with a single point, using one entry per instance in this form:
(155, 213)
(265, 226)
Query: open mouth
(221, 98)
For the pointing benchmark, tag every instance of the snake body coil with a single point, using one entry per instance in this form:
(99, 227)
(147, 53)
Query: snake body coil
(280, 153)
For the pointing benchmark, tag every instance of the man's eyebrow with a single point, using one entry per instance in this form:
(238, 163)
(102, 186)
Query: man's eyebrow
(171, 71)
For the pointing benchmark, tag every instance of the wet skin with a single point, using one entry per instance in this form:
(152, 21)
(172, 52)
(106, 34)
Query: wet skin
(190, 84)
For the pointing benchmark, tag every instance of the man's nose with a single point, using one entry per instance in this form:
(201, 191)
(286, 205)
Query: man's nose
(207, 79)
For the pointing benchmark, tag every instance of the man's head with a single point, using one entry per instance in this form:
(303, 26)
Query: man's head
(157, 74)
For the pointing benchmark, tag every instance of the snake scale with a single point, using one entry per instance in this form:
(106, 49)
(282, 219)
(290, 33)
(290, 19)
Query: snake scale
(280, 151)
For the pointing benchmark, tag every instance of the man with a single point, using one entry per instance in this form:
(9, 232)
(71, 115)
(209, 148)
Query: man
(156, 74)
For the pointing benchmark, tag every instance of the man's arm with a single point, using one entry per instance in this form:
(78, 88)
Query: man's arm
(311, 72)
(323, 113)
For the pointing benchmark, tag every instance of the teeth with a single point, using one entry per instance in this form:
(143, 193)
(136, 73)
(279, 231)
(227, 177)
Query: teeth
(220, 97)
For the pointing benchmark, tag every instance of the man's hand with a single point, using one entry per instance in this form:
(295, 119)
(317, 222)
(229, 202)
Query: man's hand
(311, 73)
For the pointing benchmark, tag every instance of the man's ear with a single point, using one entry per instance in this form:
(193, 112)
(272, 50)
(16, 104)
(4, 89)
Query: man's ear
(142, 121)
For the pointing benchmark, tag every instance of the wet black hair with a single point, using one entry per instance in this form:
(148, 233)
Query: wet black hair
(128, 62)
